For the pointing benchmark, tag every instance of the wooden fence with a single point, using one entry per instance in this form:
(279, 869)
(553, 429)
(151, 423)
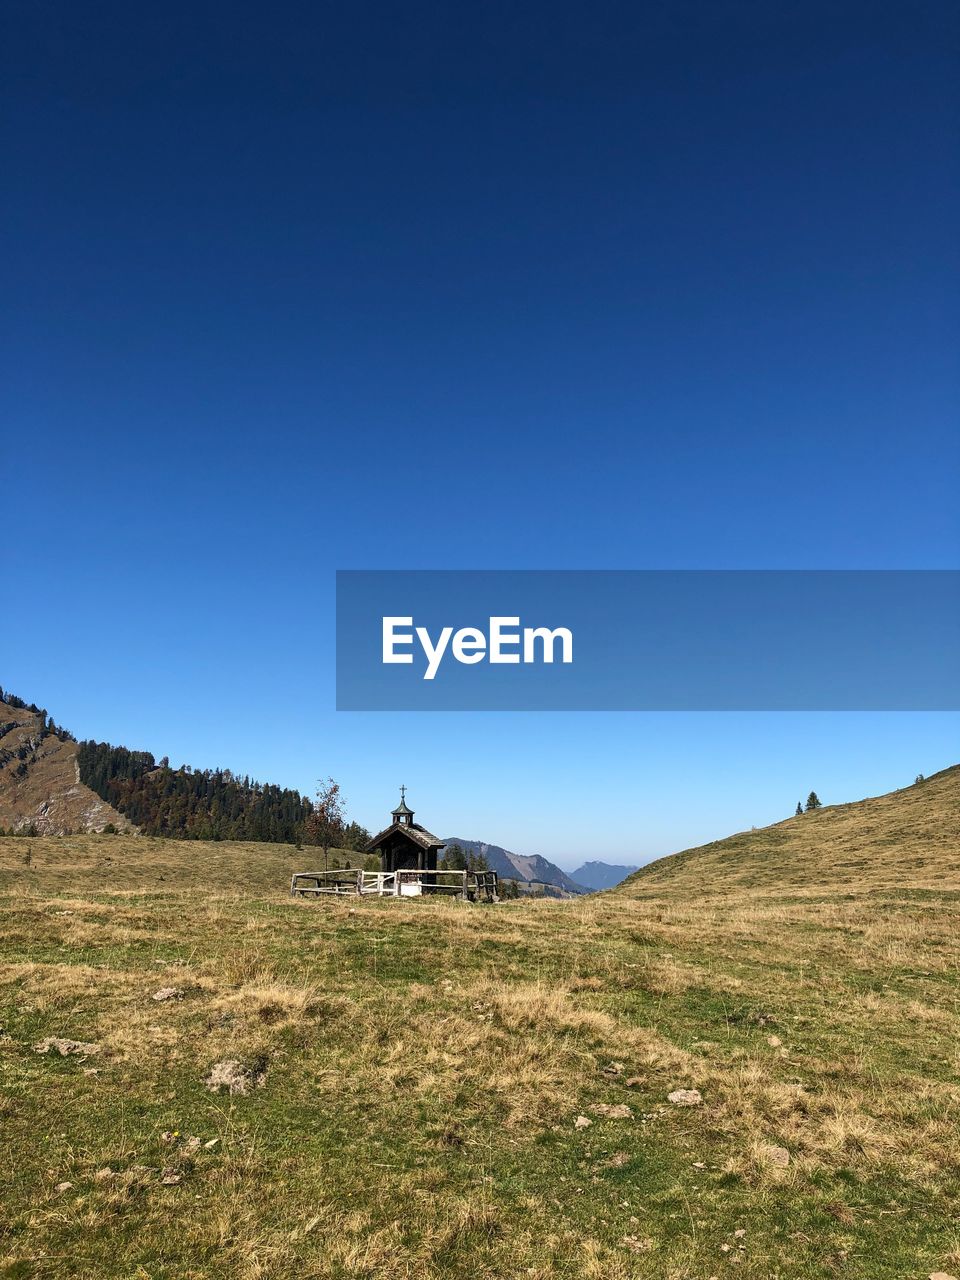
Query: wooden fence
(472, 886)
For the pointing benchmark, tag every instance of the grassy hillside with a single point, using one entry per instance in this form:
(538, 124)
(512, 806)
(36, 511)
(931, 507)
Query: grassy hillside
(440, 1090)
(906, 838)
(143, 863)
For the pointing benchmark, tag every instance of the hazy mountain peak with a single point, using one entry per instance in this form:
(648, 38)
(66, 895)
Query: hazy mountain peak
(531, 869)
(601, 875)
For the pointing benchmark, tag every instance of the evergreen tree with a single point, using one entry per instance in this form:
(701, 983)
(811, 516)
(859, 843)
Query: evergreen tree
(355, 837)
(190, 804)
(799, 810)
(453, 858)
(813, 801)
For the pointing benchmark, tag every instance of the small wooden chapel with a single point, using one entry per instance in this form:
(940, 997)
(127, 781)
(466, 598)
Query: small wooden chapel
(405, 845)
(408, 868)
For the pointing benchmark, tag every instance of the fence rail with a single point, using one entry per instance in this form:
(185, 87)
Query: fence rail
(472, 886)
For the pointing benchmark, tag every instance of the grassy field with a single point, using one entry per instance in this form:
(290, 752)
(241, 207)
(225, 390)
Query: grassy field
(435, 1089)
(147, 863)
(908, 837)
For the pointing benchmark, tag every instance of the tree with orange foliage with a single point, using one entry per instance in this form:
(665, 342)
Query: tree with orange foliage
(325, 824)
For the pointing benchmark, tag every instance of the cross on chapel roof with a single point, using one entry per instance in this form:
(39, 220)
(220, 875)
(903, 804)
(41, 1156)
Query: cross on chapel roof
(402, 809)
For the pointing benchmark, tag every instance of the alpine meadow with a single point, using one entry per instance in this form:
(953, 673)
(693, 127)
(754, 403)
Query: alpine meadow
(743, 1061)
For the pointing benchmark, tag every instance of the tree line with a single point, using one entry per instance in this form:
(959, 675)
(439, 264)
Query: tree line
(187, 803)
(200, 804)
(454, 858)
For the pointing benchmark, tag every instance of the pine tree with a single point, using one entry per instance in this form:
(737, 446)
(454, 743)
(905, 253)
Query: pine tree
(799, 810)
(813, 801)
(191, 804)
(453, 859)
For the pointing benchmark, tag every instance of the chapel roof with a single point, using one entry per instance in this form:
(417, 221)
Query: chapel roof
(412, 830)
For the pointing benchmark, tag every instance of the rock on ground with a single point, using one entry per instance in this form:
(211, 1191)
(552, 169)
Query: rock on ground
(232, 1076)
(685, 1097)
(58, 1044)
(779, 1157)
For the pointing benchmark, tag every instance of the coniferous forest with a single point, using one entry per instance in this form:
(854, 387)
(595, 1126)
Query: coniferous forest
(184, 803)
(191, 804)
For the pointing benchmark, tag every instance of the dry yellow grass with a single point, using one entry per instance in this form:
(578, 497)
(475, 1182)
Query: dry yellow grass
(907, 837)
(136, 864)
(418, 1071)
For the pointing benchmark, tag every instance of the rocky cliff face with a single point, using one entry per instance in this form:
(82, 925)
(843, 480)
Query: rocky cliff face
(40, 786)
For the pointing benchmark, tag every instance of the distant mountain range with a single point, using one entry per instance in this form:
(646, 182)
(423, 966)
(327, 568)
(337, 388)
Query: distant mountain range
(529, 868)
(535, 871)
(601, 875)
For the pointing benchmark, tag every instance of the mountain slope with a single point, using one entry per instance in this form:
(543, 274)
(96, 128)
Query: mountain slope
(529, 868)
(601, 875)
(907, 838)
(50, 784)
(40, 787)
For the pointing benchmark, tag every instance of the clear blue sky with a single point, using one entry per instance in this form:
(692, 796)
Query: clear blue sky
(304, 287)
